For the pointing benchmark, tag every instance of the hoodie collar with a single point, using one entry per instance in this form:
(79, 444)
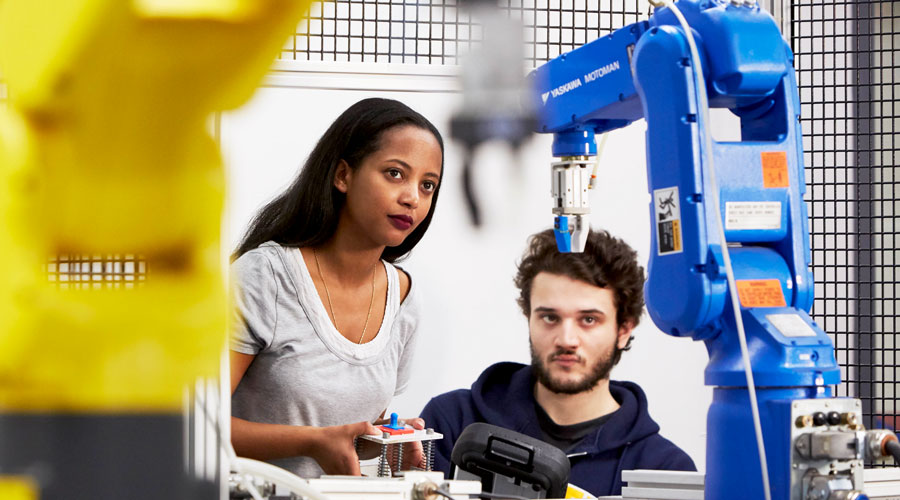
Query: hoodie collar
(630, 423)
(504, 395)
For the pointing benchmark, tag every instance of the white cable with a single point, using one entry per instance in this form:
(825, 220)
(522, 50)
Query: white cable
(226, 446)
(276, 475)
(700, 84)
(600, 147)
(263, 470)
(251, 488)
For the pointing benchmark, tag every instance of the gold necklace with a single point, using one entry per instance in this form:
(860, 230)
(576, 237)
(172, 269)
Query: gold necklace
(331, 307)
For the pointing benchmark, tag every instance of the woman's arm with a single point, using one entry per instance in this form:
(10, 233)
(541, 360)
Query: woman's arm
(331, 447)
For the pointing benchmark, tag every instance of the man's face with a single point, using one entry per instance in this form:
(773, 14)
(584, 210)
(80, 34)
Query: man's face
(573, 333)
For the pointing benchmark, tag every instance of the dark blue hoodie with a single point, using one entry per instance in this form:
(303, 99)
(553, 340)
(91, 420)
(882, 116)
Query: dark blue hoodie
(504, 395)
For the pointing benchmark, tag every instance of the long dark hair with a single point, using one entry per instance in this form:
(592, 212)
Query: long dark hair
(306, 214)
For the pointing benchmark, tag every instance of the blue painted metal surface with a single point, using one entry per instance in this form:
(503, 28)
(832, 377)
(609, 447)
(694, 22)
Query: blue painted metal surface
(575, 142)
(561, 231)
(590, 87)
(644, 71)
(738, 477)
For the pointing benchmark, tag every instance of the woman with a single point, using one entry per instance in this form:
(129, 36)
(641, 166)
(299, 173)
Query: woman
(326, 324)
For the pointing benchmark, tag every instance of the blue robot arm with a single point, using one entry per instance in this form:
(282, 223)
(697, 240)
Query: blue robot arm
(645, 70)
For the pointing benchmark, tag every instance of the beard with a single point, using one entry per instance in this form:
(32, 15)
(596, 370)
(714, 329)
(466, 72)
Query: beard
(598, 372)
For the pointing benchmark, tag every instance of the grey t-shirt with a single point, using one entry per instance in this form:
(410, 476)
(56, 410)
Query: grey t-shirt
(305, 372)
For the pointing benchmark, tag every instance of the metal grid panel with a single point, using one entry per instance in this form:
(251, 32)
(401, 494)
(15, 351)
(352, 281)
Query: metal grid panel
(830, 168)
(846, 67)
(82, 272)
(438, 32)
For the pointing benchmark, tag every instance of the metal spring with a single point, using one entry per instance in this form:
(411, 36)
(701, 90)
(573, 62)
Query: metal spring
(429, 455)
(383, 461)
(398, 457)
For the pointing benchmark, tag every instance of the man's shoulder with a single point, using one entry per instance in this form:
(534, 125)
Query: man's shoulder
(450, 404)
(449, 413)
(488, 400)
(455, 396)
(503, 375)
(658, 453)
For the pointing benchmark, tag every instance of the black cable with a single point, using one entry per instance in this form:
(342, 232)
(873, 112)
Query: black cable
(893, 447)
(442, 493)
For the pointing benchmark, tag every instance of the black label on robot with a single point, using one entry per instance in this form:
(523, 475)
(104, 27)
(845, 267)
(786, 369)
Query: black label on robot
(666, 235)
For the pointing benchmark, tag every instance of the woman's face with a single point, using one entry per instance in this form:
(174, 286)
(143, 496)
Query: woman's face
(391, 191)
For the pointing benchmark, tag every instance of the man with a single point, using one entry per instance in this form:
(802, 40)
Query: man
(581, 310)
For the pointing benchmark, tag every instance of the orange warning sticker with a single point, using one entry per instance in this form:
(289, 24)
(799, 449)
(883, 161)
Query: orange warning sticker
(676, 232)
(775, 169)
(760, 293)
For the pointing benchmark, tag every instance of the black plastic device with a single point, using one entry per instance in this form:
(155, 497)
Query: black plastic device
(509, 463)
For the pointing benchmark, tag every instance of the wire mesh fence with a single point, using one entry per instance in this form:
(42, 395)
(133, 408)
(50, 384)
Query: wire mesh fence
(846, 66)
(439, 32)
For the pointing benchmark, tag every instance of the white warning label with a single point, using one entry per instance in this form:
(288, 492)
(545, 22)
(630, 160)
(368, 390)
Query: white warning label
(791, 325)
(668, 220)
(752, 215)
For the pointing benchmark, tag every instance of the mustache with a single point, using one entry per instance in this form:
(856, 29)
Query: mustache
(565, 352)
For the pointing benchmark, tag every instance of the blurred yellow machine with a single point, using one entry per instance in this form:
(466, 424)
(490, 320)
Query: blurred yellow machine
(104, 150)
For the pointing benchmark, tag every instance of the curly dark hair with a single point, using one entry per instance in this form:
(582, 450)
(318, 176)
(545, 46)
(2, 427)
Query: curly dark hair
(607, 261)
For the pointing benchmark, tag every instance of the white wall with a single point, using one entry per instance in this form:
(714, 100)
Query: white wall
(471, 319)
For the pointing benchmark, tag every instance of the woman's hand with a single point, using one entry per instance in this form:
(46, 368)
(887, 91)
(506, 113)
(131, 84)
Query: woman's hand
(413, 454)
(333, 447)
